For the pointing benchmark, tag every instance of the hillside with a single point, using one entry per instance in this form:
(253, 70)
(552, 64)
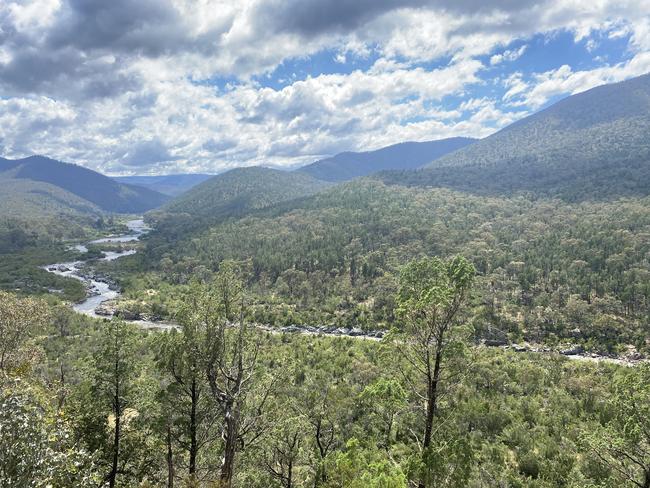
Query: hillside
(242, 189)
(406, 155)
(335, 257)
(27, 197)
(172, 185)
(94, 187)
(38, 210)
(590, 145)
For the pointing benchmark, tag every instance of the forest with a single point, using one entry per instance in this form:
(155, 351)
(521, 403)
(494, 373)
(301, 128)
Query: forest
(218, 403)
(548, 271)
(481, 321)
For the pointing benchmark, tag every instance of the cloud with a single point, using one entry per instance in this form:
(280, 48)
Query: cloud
(174, 85)
(146, 153)
(508, 55)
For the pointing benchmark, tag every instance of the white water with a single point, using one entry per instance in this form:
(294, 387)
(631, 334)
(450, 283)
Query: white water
(99, 291)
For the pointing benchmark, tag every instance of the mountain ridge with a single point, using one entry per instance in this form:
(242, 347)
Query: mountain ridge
(404, 155)
(590, 145)
(172, 184)
(92, 186)
(243, 189)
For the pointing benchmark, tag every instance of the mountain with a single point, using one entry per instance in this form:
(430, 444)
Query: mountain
(172, 185)
(26, 197)
(34, 210)
(100, 190)
(406, 155)
(242, 189)
(594, 144)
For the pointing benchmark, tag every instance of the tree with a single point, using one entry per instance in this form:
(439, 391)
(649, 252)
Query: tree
(115, 370)
(190, 414)
(623, 443)
(385, 399)
(19, 319)
(230, 362)
(36, 446)
(429, 298)
(284, 450)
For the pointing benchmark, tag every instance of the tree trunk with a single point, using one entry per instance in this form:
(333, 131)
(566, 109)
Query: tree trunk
(116, 441)
(193, 443)
(230, 439)
(290, 474)
(321, 474)
(170, 459)
(432, 401)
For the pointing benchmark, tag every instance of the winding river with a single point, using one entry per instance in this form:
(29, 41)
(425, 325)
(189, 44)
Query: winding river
(101, 289)
(98, 289)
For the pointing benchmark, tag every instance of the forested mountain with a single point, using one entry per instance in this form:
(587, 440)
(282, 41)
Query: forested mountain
(590, 145)
(240, 190)
(172, 185)
(100, 190)
(30, 210)
(546, 267)
(406, 155)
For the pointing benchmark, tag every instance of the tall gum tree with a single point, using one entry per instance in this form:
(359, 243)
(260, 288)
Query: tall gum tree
(430, 296)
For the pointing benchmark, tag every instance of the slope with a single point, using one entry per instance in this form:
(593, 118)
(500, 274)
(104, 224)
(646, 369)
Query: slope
(240, 190)
(94, 187)
(590, 145)
(406, 155)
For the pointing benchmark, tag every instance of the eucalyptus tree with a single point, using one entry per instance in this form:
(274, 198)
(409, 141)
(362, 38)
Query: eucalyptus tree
(431, 294)
(622, 445)
(229, 358)
(20, 319)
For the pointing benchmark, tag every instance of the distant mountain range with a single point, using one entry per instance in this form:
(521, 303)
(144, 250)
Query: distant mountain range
(172, 185)
(592, 145)
(96, 189)
(406, 155)
(242, 189)
(595, 144)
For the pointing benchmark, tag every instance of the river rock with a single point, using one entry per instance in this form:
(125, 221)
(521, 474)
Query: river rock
(105, 310)
(127, 315)
(573, 350)
(290, 329)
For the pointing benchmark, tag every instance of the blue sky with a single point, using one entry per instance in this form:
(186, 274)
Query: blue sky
(162, 86)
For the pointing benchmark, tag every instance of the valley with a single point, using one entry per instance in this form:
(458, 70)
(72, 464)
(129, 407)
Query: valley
(447, 313)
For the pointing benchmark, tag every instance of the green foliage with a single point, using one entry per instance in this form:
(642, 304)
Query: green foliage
(546, 270)
(357, 467)
(235, 193)
(20, 320)
(431, 288)
(36, 446)
(621, 444)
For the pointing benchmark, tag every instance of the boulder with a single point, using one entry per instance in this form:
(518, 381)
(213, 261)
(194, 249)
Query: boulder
(573, 350)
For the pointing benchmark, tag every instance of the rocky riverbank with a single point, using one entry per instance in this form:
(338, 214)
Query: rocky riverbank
(102, 293)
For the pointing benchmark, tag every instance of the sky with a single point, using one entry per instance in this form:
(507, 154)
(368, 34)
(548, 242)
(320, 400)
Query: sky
(143, 87)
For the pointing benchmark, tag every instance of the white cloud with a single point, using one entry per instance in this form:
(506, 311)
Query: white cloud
(128, 86)
(508, 55)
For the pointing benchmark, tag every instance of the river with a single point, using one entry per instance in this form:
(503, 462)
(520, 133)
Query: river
(100, 290)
